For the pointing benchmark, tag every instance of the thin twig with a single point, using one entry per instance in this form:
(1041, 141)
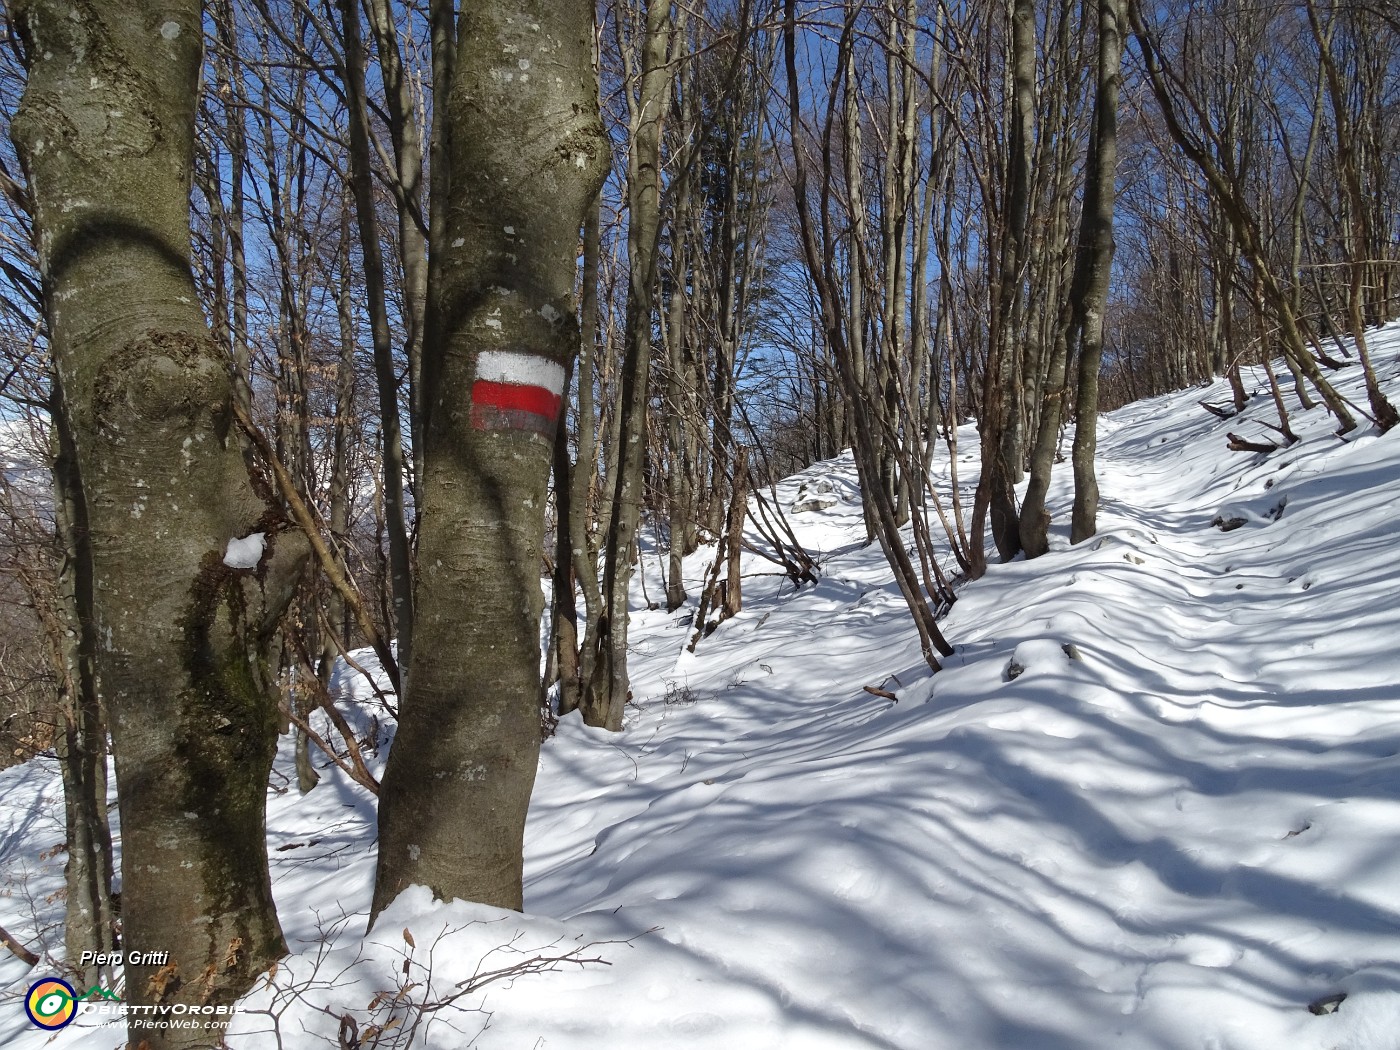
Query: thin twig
(331, 565)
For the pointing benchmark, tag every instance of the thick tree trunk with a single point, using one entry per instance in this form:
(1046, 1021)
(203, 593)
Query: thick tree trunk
(681, 495)
(681, 492)
(106, 130)
(1082, 314)
(733, 587)
(1035, 519)
(564, 634)
(527, 155)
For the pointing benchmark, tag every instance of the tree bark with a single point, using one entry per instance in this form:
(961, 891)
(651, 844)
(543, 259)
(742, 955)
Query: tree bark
(1002, 388)
(385, 371)
(818, 252)
(89, 918)
(607, 692)
(106, 131)
(407, 184)
(576, 540)
(1099, 234)
(527, 155)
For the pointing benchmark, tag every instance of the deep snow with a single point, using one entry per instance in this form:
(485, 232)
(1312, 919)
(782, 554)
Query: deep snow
(1177, 839)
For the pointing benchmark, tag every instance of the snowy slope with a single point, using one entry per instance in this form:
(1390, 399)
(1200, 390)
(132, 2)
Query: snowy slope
(1178, 839)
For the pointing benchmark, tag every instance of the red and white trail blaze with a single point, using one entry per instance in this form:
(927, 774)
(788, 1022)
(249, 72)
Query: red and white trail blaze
(516, 392)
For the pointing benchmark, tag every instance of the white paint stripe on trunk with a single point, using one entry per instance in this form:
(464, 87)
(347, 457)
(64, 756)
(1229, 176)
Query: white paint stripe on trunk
(503, 366)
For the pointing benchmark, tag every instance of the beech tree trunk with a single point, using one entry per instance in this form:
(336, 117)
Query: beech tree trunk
(607, 691)
(1097, 242)
(106, 133)
(817, 241)
(526, 154)
(1004, 383)
(385, 370)
(89, 921)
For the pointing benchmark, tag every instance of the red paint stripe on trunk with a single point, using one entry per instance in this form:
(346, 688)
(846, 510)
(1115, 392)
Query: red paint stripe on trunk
(512, 398)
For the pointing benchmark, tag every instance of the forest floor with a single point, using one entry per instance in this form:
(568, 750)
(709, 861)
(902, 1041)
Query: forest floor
(1176, 839)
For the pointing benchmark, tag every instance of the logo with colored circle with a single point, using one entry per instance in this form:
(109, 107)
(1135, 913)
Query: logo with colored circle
(51, 1003)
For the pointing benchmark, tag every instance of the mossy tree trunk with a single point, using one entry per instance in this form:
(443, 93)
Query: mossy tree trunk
(106, 132)
(526, 154)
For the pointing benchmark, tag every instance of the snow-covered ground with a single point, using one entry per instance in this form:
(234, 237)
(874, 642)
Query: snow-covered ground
(1178, 839)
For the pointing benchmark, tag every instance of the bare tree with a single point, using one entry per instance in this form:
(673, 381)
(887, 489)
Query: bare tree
(607, 692)
(526, 156)
(1203, 142)
(1096, 247)
(1361, 238)
(843, 317)
(191, 559)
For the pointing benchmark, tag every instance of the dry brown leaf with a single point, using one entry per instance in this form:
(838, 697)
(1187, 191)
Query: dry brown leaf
(235, 949)
(163, 981)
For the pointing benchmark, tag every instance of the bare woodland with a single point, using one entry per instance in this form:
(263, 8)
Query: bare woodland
(278, 271)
